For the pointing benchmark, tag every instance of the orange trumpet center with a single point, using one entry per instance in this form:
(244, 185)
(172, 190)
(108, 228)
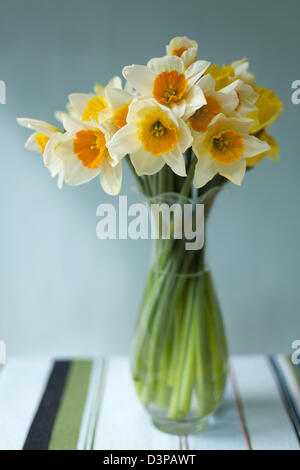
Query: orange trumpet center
(227, 147)
(90, 147)
(169, 87)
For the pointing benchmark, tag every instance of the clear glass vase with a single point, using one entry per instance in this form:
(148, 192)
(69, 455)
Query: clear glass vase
(180, 357)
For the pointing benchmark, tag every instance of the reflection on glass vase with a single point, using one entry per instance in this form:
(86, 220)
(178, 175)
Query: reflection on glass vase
(180, 356)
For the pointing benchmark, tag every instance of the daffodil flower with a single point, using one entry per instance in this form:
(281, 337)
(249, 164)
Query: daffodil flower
(216, 102)
(247, 97)
(44, 136)
(224, 149)
(84, 154)
(166, 80)
(183, 47)
(108, 103)
(153, 137)
(268, 109)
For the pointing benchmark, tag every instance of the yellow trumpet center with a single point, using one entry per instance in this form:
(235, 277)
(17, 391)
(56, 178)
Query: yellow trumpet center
(179, 51)
(227, 147)
(41, 140)
(120, 115)
(93, 108)
(169, 87)
(90, 147)
(157, 133)
(202, 117)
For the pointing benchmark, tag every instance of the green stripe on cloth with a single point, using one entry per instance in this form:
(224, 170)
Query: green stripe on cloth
(68, 420)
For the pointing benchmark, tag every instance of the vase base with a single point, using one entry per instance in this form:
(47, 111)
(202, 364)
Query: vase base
(181, 428)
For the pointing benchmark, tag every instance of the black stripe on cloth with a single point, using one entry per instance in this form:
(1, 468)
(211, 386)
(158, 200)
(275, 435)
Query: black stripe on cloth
(285, 396)
(39, 434)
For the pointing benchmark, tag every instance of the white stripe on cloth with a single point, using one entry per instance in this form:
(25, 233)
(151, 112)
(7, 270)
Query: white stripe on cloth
(224, 431)
(22, 384)
(268, 423)
(123, 423)
(92, 406)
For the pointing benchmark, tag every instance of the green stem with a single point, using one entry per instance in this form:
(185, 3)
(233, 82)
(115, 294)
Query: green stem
(185, 190)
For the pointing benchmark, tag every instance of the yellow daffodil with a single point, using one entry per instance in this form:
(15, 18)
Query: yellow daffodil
(271, 154)
(224, 148)
(223, 76)
(226, 74)
(166, 80)
(216, 103)
(153, 137)
(44, 136)
(268, 109)
(183, 47)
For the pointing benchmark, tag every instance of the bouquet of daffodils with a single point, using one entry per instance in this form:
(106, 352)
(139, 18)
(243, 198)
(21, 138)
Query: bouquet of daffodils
(185, 127)
(170, 110)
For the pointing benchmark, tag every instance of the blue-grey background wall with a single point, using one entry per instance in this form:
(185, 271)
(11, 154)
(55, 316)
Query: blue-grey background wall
(62, 291)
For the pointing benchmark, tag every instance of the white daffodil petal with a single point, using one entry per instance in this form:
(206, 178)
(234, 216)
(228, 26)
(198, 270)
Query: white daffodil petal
(115, 82)
(40, 127)
(229, 101)
(145, 163)
(239, 124)
(59, 115)
(115, 97)
(232, 86)
(78, 101)
(62, 148)
(31, 144)
(254, 146)
(74, 172)
(52, 161)
(241, 70)
(185, 138)
(129, 88)
(124, 141)
(140, 77)
(108, 129)
(111, 177)
(207, 83)
(234, 172)
(198, 144)
(166, 63)
(195, 71)
(194, 100)
(139, 107)
(104, 115)
(189, 56)
(205, 170)
(178, 109)
(176, 161)
(70, 124)
(246, 107)
(246, 96)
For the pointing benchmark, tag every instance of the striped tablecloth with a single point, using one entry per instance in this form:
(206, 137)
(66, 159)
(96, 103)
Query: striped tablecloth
(82, 404)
